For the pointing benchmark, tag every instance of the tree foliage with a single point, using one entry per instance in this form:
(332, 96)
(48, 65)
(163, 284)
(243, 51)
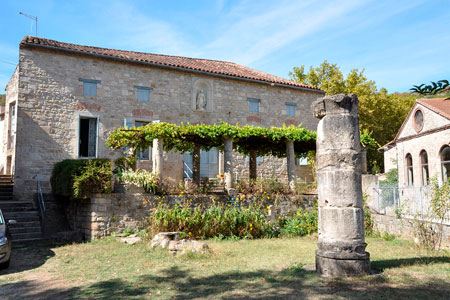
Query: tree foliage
(431, 89)
(2, 100)
(380, 113)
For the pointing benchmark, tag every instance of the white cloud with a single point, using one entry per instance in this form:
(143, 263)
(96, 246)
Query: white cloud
(259, 31)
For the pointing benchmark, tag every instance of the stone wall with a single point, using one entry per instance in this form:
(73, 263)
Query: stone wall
(103, 214)
(12, 92)
(403, 228)
(51, 102)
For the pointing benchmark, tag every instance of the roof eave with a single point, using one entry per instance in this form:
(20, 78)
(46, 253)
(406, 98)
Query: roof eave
(173, 67)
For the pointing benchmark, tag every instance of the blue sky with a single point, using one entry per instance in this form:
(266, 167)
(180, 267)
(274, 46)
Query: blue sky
(399, 43)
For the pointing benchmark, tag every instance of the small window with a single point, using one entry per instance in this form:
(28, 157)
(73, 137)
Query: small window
(143, 93)
(290, 109)
(445, 163)
(89, 87)
(253, 105)
(258, 160)
(424, 165)
(87, 138)
(302, 161)
(409, 169)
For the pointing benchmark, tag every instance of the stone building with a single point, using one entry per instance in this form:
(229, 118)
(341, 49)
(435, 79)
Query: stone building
(421, 150)
(64, 100)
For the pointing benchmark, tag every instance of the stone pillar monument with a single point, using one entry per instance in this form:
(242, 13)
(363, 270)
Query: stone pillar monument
(341, 218)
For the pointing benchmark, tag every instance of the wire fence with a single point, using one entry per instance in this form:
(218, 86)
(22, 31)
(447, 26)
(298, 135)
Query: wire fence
(409, 200)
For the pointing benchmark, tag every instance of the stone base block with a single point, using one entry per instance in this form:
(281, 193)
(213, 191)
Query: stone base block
(332, 267)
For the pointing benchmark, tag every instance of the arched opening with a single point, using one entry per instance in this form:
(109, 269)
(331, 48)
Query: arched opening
(424, 167)
(409, 169)
(445, 163)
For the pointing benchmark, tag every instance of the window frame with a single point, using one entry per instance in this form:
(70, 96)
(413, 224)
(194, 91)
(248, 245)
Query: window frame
(89, 81)
(253, 101)
(424, 167)
(409, 170)
(292, 106)
(143, 89)
(444, 163)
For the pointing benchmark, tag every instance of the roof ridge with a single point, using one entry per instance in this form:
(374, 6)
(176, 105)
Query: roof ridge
(211, 66)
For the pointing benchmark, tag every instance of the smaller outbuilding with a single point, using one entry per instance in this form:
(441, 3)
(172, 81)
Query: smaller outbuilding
(421, 150)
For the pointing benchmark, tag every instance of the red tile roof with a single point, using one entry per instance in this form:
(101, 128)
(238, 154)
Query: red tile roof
(213, 67)
(438, 105)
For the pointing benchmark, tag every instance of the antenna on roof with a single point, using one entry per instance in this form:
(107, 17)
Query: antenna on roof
(34, 18)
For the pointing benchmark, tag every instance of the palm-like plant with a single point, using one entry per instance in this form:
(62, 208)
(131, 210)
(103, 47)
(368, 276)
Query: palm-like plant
(431, 89)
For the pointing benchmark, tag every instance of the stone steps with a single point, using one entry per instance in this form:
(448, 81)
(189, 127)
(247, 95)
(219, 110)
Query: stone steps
(16, 206)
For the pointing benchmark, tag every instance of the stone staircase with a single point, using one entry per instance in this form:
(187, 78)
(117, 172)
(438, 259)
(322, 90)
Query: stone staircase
(28, 227)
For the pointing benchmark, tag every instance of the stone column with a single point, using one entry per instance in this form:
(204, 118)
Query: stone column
(228, 162)
(221, 162)
(290, 162)
(341, 218)
(157, 157)
(252, 165)
(196, 165)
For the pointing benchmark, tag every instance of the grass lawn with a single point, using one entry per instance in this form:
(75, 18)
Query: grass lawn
(256, 269)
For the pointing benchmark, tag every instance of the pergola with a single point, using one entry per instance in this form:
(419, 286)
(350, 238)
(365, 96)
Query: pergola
(254, 141)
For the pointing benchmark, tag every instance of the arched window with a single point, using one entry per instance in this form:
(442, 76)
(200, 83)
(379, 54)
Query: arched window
(445, 163)
(409, 169)
(424, 165)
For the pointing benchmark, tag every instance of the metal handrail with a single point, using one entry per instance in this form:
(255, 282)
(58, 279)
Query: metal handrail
(40, 198)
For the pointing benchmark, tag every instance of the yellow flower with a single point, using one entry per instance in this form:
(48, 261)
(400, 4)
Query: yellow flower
(296, 226)
(279, 217)
(298, 214)
(268, 197)
(190, 233)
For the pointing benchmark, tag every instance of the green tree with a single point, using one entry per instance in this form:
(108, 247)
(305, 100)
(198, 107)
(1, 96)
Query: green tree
(379, 112)
(2, 100)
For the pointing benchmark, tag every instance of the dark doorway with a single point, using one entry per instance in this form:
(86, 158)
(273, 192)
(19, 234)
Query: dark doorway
(88, 137)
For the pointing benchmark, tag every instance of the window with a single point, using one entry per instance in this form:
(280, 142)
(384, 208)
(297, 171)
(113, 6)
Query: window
(418, 120)
(302, 161)
(258, 160)
(130, 123)
(409, 169)
(89, 87)
(445, 163)
(253, 105)
(424, 165)
(143, 93)
(142, 155)
(290, 109)
(87, 137)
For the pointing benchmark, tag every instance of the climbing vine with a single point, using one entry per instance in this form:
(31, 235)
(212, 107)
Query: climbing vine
(182, 138)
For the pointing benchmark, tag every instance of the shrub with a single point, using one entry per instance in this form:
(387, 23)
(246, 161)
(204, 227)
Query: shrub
(216, 221)
(304, 223)
(77, 178)
(147, 180)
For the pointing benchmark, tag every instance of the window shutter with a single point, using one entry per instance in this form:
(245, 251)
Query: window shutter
(128, 123)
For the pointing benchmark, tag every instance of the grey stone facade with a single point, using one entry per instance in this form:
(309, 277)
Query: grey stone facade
(50, 102)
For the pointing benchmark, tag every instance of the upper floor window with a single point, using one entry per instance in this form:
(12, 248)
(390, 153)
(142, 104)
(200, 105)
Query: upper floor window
(290, 109)
(143, 93)
(253, 105)
(89, 86)
(445, 163)
(409, 169)
(424, 165)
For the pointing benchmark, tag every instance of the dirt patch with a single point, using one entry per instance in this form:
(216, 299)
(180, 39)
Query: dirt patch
(28, 277)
